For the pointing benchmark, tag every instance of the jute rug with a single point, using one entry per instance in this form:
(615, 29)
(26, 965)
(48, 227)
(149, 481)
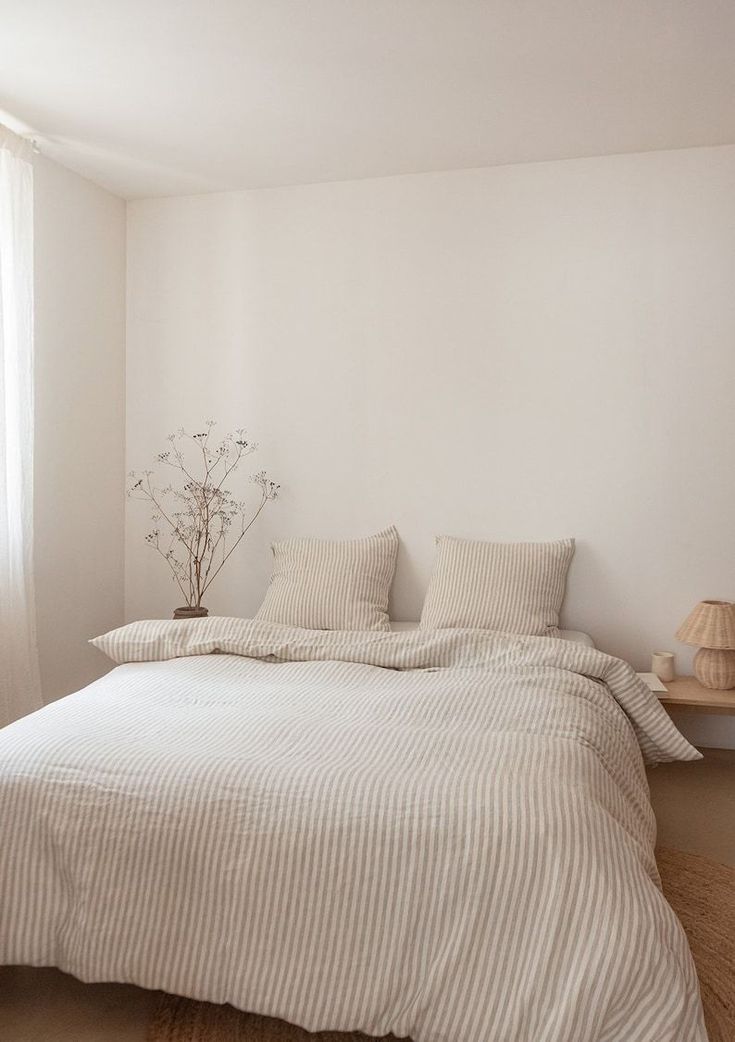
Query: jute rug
(702, 893)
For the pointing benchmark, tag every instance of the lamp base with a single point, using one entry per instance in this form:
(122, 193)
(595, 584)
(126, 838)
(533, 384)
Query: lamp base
(715, 669)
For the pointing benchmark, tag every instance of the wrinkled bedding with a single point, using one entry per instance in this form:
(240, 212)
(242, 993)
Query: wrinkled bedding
(444, 835)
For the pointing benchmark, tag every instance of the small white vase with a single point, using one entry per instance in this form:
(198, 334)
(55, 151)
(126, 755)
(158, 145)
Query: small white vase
(662, 664)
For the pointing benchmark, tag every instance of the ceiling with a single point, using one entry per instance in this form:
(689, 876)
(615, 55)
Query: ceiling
(169, 97)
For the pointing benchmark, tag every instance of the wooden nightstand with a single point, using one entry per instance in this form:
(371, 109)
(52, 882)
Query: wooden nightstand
(686, 693)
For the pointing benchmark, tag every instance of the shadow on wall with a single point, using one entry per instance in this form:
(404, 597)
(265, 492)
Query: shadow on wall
(409, 586)
(595, 580)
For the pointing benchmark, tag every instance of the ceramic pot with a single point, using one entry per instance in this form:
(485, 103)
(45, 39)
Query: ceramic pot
(191, 613)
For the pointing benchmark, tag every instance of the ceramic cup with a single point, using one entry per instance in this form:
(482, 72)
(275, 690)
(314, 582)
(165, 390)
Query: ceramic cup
(662, 664)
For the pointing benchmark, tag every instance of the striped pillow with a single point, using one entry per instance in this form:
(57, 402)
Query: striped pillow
(512, 587)
(326, 585)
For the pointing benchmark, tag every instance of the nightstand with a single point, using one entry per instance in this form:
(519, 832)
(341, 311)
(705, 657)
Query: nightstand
(686, 693)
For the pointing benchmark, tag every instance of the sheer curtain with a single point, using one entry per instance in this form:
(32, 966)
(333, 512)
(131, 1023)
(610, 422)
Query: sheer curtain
(19, 677)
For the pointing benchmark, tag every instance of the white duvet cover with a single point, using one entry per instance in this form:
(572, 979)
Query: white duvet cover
(441, 835)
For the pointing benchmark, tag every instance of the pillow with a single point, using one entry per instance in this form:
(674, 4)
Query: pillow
(513, 587)
(325, 585)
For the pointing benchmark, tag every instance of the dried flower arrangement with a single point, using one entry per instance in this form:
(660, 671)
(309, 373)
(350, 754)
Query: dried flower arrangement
(197, 525)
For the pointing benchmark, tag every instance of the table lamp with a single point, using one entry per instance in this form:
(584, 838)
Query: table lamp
(711, 628)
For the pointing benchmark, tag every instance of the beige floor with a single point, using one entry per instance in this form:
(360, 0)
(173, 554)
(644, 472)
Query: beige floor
(695, 808)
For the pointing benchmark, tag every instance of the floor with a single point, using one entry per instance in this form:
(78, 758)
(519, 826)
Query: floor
(695, 808)
(44, 1005)
(695, 805)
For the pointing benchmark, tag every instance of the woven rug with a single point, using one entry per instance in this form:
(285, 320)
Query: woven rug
(701, 892)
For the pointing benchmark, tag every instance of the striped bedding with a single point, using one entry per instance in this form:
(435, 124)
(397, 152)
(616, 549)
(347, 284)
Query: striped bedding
(514, 587)
(443, 835)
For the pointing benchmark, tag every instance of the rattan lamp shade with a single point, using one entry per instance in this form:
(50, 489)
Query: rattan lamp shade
(710, 625)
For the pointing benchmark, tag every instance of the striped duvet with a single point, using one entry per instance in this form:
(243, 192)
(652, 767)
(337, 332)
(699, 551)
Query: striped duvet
(444, 835)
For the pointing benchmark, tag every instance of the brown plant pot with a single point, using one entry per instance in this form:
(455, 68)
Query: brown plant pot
(191, 613)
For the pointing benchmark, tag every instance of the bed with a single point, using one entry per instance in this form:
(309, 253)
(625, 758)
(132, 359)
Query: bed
(445, 835)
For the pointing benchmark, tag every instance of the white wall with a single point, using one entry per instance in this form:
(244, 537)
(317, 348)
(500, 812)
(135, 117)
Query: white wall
(523, 352)
(79, 422)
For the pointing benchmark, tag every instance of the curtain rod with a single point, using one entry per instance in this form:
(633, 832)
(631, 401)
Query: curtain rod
(23, 136)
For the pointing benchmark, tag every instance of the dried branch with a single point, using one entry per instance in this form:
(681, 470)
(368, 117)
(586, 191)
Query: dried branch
(200, 514)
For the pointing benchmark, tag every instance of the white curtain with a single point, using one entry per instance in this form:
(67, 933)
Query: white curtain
(20, 689)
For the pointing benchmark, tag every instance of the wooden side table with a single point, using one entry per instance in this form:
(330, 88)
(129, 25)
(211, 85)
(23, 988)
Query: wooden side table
(686, 693)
